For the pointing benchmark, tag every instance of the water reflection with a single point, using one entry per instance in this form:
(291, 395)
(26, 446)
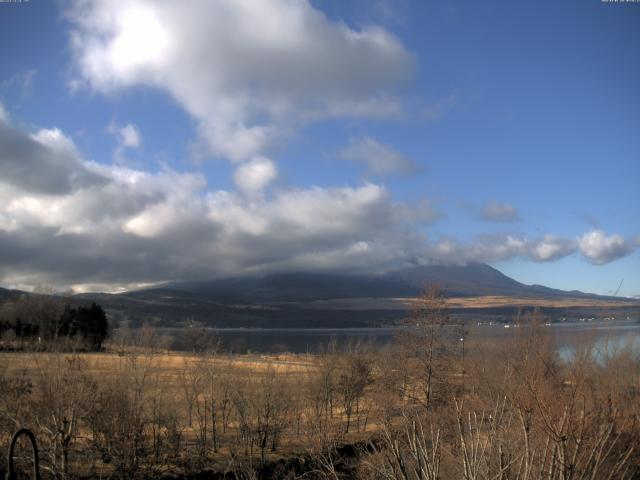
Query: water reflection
(603, 338)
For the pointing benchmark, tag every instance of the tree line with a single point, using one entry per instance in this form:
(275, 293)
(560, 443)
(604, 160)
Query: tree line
(44, 319)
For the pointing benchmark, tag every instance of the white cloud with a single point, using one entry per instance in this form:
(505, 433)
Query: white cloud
(599, 248)
(254, 176)
(550, 247)
(380, 159)
(127, 136)
(57, 142)
(247, 71)
(493, 248)
(4, 116)
(130, 136)
(45, 162)
(110, 224)
(67, 221)
(420, 212)
(499, 212)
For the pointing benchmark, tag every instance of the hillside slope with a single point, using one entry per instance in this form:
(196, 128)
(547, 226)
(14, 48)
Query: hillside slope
(306, 300)
(339, 300)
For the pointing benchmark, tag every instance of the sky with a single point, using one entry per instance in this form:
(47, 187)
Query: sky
(149, 141)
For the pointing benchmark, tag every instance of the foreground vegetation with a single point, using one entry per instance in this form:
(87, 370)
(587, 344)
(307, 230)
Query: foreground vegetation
(434, 405)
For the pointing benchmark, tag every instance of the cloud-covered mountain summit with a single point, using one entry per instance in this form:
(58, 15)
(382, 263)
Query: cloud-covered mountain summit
(67, 221)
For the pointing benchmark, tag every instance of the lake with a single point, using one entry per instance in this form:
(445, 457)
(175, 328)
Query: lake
(603, 334)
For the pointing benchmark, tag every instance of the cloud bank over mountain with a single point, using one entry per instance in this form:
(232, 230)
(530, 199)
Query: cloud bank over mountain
(111, 225)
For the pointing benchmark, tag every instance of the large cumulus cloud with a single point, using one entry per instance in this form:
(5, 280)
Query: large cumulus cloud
(247, 71)
(600, 248)
(43, 162)
(497, 247)
(65, 221)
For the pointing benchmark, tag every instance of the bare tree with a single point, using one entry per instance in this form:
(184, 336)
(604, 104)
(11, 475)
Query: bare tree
(423, 340)
(354, 377)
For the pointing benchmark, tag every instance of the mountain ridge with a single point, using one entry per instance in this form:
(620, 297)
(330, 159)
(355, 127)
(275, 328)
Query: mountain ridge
(472, 279)
(306, 300)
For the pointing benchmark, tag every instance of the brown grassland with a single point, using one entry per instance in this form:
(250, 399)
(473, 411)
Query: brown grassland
(429, 406)
(475, 302)
(503, 301)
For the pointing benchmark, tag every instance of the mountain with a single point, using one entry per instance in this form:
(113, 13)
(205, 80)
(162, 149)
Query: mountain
(332, 300)
(6, 294)
(336, 300)
(472, 279)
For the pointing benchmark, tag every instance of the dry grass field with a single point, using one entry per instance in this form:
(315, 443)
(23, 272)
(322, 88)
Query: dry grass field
(509, 409)
(476, 302)
(168, 365)
(503, 301)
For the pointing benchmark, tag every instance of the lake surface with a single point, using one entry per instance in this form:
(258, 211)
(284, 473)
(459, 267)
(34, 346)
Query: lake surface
(605, 338)
(603, 335)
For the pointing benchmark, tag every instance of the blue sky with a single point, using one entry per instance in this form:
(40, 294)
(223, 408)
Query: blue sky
(241, 137)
